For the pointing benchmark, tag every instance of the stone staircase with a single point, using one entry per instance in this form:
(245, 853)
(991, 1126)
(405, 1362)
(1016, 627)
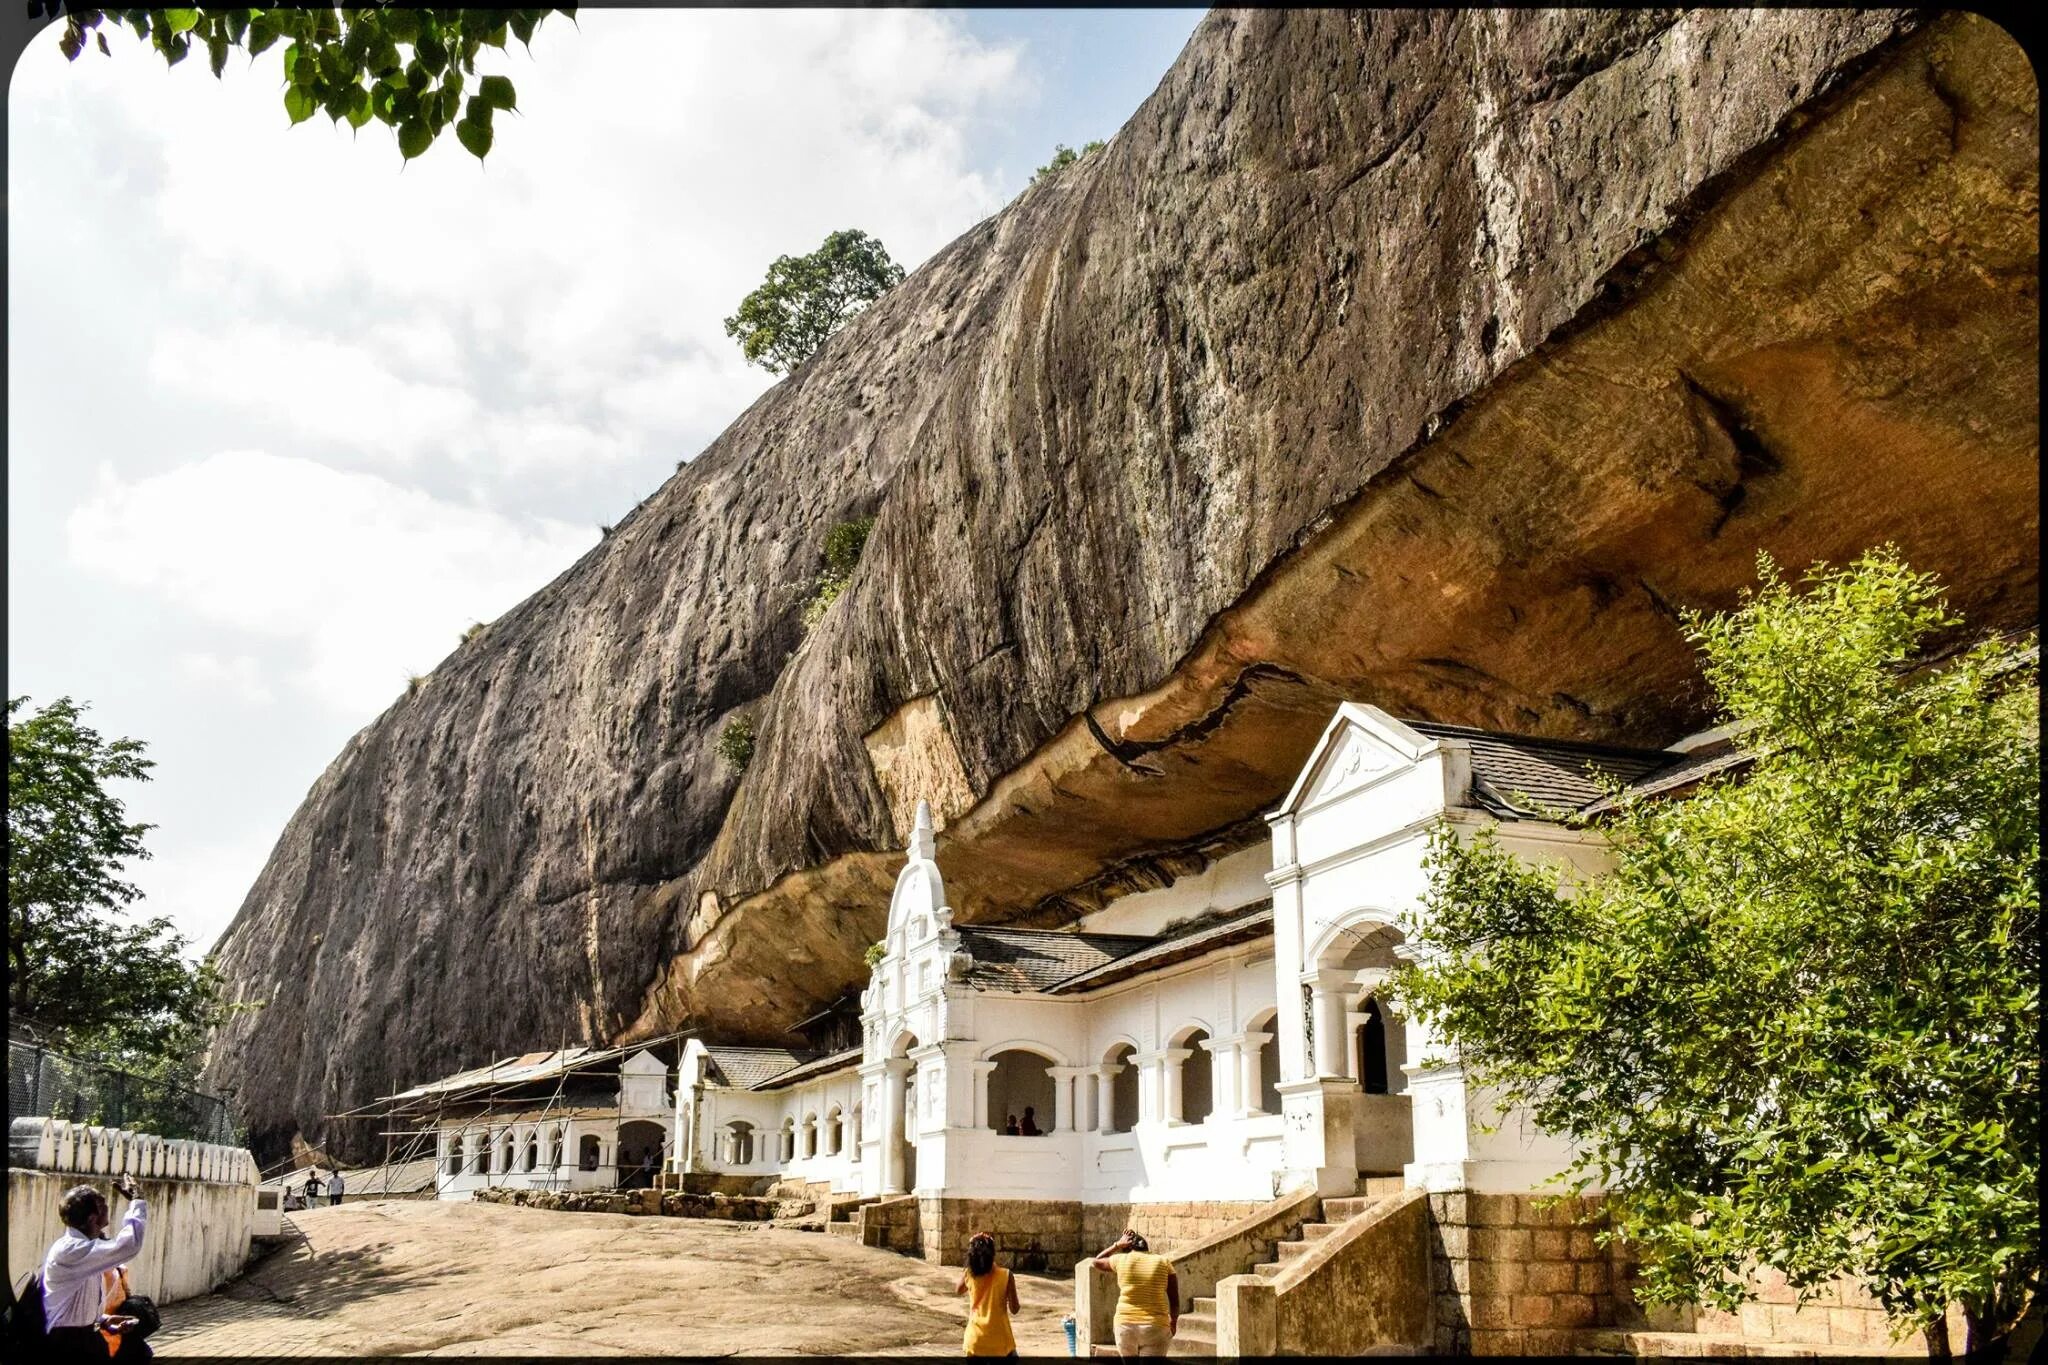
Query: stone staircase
(843, 1217)
(1197, 1335)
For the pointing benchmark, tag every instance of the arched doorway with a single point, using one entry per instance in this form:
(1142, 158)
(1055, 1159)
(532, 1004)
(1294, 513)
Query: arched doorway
(1353, 967)
(639, 1159)
(1197, 1078)
(1123, 1089)
(1020, 1093)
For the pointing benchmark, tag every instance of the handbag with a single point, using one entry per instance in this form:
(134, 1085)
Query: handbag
(142, 1308)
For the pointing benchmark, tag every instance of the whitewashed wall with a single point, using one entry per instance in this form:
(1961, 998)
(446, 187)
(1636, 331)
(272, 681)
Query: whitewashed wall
(201, 1198)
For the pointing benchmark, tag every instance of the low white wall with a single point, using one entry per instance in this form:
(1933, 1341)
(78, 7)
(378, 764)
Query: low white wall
(201, 1197)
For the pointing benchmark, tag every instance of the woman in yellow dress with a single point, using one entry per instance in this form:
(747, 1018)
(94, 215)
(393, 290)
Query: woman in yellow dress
(992, 1297)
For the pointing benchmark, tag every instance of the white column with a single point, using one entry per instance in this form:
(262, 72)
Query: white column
(1066, 1104)
(894, 1088)
(1223, 1071)
(1354, 1020)
(981, 1072)
(1169, 1073)
(1105, 1097)
(1327, 992)
(1151, 1087)
(497, 1141)
(1249, 1080)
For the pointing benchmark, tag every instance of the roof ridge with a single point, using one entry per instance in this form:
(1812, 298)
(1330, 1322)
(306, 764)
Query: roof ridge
(1512, 737)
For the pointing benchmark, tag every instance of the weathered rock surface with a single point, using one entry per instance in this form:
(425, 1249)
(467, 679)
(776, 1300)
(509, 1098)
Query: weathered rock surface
(1433, 359)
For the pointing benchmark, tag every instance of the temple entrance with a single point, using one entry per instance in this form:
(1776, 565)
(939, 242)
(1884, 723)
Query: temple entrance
(1370, 1041)
(640, 1143)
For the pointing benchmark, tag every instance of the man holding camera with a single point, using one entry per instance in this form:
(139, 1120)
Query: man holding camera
(85, 1277)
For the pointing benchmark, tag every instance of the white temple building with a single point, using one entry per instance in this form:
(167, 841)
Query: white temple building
(1221, 1040)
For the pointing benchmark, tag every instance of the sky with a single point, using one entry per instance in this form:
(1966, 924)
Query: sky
(285, 415)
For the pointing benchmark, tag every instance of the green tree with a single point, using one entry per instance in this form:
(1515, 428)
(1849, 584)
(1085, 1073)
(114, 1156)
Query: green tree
(1795, 1025)
(97, 983)
(1063, 156)
(410, 69)
(843, 546)
(736, 743)
(805, 299)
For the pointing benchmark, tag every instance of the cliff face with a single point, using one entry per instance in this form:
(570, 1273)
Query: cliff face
(1429, 359)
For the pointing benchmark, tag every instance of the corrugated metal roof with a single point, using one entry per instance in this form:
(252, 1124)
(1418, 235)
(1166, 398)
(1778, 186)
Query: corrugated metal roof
(1518, 776)
(1016, 960)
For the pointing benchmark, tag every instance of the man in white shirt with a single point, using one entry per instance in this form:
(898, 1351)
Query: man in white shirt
(334, 1187)
(75, 1275)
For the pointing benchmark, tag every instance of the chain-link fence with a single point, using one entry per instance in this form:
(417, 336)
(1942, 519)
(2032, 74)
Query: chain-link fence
(46, 1083)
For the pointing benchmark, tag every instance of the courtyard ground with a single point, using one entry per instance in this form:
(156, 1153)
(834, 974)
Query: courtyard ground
(392, 1277)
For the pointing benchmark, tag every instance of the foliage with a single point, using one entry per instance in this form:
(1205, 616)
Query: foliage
(736, 743)
(96, 982)
(805, 299)
(1063, 156)
(843, 546)
(876, 951)
(414, 682)
(407, 68)
(1795, 1024)
(476, 628)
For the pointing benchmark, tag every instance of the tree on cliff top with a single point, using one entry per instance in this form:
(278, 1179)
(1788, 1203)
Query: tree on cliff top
(1063, 156)
(1795, 1026)
(99, 984)
(805, 299)
(407, 68)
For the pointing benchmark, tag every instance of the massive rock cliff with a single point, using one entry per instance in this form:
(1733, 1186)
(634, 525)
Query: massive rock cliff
(1433, 359)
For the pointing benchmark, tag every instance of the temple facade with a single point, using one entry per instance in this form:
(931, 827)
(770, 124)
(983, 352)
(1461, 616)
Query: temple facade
(1215, 1043)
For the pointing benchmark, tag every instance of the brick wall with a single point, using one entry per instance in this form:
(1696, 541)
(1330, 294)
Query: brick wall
(1525, 1274)
(1167, 1227)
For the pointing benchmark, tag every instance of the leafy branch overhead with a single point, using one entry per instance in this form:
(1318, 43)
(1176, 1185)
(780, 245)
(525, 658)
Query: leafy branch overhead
(413, 70)
(805, 299)
(1063, 156)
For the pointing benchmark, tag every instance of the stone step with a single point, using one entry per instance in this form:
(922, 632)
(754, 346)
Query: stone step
(1201, 1325)
(1316, 1232)
(1381, 1185)
(1638, 1344)
(1289, 1250)
(1343, 1210)
(1269, 1269)
(843, 1229)
(1207, 1305)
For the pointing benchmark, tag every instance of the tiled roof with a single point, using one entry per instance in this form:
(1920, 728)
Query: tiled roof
(823, 1066)
(1689, 769)
(1520, 775)
(1038, 959)
(1252, 921)
(746, 1067)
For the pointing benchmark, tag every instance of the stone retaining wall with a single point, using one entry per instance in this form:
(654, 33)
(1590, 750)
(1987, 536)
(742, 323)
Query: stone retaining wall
(1169, 1228)
(650, 1203)
(1524, 1274)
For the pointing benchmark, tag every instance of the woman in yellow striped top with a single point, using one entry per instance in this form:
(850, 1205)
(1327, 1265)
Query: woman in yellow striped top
(1147, 1296)
(992, 1298)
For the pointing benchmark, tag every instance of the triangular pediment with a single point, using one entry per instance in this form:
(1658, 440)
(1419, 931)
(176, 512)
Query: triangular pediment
(1361, 744)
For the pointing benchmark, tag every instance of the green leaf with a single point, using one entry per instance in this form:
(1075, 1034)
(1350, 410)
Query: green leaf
(414, 137)
(299, 103)
(358, 108)
(262, 33)
(475, 137)
(217, 54)
(402, 24)
(478, 112)
(176, 51)
(497, 92)
(181, 20)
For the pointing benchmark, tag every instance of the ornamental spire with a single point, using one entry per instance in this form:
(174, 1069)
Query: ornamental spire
(922, 844)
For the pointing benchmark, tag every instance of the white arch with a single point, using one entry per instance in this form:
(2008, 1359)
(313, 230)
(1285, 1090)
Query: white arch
(1179, 1037)
(1037, 1049)
(1346, 925)
(1121, 1041)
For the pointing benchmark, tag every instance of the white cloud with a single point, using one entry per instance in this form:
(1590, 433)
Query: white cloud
(368, 580)
(239, 676)
(560, 308)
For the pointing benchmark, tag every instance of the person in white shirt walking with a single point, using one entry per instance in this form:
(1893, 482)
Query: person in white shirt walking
(81, 1269)
(334, 1187)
